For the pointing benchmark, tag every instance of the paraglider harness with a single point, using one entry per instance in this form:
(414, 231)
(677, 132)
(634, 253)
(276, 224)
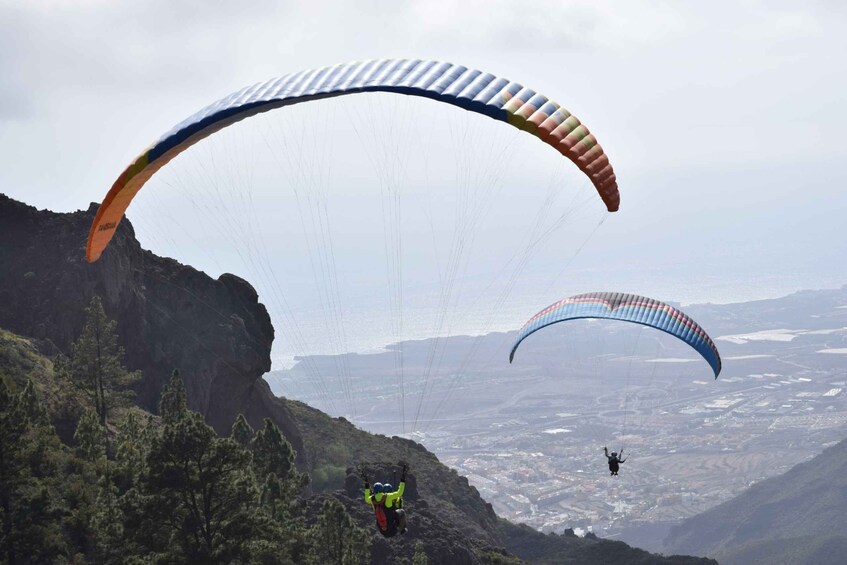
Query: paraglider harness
(614, 460)
(386, 518)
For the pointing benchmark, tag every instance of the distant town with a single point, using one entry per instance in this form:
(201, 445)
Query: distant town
(683, 456)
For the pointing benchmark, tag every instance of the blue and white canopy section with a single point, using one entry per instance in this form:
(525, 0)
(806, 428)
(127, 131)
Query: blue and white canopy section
(627, 308)
(475, 91)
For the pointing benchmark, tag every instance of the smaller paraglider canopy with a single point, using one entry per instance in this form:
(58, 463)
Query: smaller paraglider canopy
(627, 308)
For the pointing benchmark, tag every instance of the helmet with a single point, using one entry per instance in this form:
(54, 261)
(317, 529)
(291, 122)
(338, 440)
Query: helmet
(378, 487)
(614, 454)
(387, 487)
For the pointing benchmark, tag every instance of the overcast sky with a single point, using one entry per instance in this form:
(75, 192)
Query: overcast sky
(724, 120)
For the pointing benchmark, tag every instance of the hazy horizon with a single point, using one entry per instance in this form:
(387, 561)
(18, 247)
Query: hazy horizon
(382, 343)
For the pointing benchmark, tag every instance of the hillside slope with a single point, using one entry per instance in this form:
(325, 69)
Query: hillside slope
(808, 501)
(445, 511)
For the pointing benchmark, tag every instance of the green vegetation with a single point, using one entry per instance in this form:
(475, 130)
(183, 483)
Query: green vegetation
(171, 490)
(20, 361)
(336, 540)
(29, 531)
(419, 557)
(95, 367)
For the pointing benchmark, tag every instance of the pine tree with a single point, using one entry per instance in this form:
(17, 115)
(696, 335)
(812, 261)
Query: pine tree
(281, 483)
(95, 367)
(12, 428)
(42, 446)
(32, 408)
(130, 428)
(90, 437)
(174, 402)
(30, 520)
(335, 539)
(130, 452)
(107, 525)
(241, 432)
(198, 498)
(272, 453)
(419, 558)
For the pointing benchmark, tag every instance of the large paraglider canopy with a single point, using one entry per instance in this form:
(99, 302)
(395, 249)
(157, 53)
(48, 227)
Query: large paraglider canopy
(407, 227)
(473, 90)
(627, 308)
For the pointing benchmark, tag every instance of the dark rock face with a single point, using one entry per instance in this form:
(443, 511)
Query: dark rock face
(169, 315)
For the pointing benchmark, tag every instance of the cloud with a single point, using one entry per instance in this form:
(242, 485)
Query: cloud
(102, 44)
(663, 84)
(579, 25)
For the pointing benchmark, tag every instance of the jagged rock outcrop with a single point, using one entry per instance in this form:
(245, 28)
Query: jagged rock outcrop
(169, 315)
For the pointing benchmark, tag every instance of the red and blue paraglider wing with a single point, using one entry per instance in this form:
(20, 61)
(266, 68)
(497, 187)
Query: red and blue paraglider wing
(627, 308)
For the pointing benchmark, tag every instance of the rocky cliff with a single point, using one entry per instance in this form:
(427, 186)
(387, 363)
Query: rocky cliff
(169, 315)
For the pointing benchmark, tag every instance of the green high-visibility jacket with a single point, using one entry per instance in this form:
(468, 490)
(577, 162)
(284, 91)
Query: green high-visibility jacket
(390, 497)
